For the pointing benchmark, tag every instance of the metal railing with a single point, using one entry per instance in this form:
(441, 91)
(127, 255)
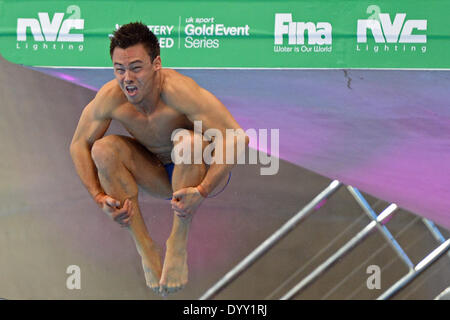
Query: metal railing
(271, 241)
(377, 222)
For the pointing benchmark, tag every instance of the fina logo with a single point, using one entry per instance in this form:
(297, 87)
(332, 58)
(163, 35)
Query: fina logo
(386, 31)
(318, 34)
(55, 30)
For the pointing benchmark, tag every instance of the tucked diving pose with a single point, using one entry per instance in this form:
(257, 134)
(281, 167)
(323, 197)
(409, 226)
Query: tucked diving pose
(150, 102)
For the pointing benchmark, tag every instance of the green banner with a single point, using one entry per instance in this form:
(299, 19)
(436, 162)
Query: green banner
(234, 34)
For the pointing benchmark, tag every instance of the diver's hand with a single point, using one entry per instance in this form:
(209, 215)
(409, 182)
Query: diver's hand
(186, 201)
(122, 215)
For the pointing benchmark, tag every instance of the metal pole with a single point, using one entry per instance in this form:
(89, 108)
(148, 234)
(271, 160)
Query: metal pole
(444, 295)
(434, 230)
(422, 265)
(271, 241)
(384, 231)
(343, 250)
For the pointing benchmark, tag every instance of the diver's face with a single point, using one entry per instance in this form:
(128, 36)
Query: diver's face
(134, 72)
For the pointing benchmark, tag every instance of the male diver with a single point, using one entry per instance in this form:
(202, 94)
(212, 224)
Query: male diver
(150, 102)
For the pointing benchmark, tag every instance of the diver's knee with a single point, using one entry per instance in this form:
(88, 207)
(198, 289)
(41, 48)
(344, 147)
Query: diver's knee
(104, 151)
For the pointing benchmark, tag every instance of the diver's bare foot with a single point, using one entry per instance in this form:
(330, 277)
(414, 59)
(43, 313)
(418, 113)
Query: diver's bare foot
(151, 263)
(175, 270)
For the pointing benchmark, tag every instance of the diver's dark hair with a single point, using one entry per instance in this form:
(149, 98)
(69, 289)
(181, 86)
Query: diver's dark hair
(133, 33)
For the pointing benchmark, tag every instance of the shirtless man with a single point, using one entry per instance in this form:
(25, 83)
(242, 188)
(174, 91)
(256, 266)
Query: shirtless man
(150, 102)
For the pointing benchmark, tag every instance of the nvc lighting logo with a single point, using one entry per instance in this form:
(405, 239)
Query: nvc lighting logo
(399, 35)
(319, 35)
(55, 33)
